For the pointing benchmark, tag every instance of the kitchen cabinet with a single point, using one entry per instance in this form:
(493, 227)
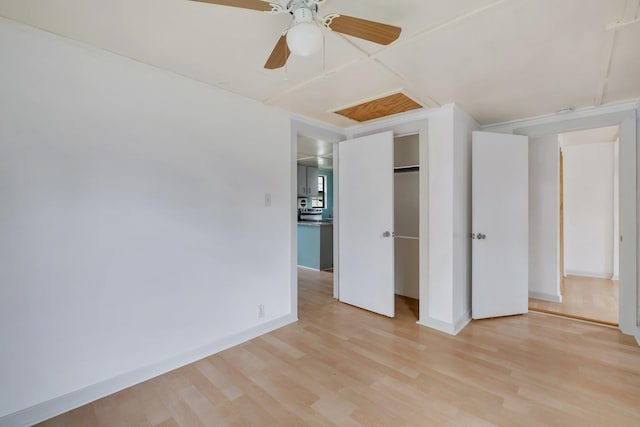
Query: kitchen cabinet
(315, 245)
(307, 181)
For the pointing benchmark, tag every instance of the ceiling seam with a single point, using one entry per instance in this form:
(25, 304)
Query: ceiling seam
(607, 59)
(408, 85)
(439, 27)
(374, 55)
(628, 17)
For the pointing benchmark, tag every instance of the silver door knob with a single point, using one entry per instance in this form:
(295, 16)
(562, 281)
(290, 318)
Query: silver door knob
(481, 236)
(386, 234)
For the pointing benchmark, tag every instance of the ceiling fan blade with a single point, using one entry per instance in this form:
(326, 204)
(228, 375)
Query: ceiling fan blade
(279, 55)
(245, 4)
(363, 29)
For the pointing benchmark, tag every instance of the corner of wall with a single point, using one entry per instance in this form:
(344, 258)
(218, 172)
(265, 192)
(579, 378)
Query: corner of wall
(453, 328)
(474, 123)
(58, 405)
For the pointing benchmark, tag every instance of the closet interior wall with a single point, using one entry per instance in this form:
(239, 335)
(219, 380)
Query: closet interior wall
(406, 215)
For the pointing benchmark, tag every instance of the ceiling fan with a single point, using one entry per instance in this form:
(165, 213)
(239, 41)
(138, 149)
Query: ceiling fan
(304, 35)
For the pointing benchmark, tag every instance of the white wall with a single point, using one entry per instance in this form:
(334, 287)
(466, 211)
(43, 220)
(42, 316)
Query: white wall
(133, 231)
(436, 307)
(464, 125)
(544, 215)
(588, 209)
(615, 241)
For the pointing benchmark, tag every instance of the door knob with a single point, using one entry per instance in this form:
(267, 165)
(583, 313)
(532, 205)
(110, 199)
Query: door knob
(481, 236)
(386, 234)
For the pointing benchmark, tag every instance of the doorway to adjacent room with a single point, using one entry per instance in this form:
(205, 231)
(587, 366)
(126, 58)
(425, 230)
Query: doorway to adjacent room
(588, 221)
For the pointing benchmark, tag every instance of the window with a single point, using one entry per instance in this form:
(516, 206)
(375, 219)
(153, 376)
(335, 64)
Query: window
(318, 202)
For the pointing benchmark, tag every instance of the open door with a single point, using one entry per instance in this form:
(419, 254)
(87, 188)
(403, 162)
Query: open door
(500, 249)
(365, 216)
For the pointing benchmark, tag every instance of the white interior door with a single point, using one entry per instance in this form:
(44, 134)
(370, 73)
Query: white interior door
(365, 220)
(500, 270)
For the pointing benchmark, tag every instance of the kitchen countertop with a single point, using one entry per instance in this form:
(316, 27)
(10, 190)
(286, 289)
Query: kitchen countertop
(316, 223)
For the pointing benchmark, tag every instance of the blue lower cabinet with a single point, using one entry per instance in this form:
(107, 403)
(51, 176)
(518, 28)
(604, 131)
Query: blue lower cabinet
(315, 246)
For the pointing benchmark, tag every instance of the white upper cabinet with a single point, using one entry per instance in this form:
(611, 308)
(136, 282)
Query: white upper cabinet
(307, 181)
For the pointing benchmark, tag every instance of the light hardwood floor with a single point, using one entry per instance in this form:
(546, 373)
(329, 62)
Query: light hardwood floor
(585, 298)
(340, 365)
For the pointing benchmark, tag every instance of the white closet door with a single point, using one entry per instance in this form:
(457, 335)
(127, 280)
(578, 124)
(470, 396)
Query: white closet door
(365, 216)
(500, 249)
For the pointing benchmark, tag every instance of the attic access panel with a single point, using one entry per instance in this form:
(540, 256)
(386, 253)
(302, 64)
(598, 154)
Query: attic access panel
(381, 107)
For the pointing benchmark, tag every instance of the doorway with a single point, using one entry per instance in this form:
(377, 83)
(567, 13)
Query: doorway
(587, 185)
(311, 146)
(314, 204)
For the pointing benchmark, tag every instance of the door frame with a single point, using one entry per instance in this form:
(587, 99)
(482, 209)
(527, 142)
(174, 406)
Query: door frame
(624, 116)
(561, 204)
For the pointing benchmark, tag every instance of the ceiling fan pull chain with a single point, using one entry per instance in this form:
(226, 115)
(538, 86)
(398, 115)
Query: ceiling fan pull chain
(324, 54)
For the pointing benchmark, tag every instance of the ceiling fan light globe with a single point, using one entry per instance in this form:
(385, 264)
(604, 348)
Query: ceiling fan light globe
(304, 39)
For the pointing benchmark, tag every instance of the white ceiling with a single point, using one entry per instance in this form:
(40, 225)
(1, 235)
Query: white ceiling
(589, 136)
(498, 59)
(315, 152)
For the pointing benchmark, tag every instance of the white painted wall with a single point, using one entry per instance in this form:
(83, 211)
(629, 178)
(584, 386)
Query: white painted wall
(615, 242)
(464, 125)
(544, 218)
(133, 232)
(588, 209)
(439, 296)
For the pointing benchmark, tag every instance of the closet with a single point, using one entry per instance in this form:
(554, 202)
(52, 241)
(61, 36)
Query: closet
(406, 215)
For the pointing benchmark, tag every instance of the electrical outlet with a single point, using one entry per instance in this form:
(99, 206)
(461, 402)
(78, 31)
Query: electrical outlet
(267, 199)
(260, 311)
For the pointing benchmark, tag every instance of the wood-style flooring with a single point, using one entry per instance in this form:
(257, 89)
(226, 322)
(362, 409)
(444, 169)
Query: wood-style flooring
(585, 298)
(340, 365)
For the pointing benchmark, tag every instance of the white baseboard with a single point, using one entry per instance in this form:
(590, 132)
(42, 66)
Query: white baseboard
(545, 297)
(587, 274)
(446, 327)
(615, 277)
(58, 405)
(638, 338)
(307, 268)
(462, 321)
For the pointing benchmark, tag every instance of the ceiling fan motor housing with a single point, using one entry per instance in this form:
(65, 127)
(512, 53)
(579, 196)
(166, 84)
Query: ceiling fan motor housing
(303, 14)
(303, 10)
